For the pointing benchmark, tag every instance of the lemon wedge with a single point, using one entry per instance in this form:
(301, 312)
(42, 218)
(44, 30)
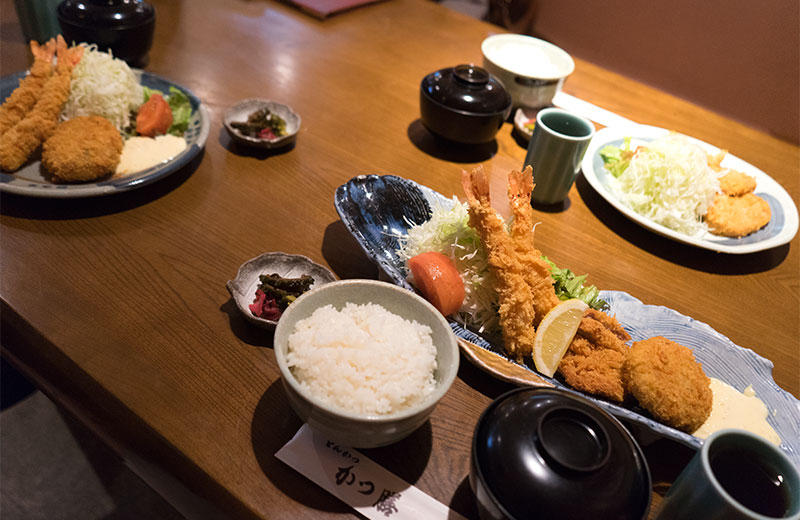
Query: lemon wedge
(555, 333)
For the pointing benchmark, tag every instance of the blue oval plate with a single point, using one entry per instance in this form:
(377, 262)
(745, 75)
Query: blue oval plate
(30, 180)
(378, 209)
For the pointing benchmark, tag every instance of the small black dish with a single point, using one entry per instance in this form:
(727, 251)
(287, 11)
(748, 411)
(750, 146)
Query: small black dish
(464, 104)
(126, 27)
(548, 453)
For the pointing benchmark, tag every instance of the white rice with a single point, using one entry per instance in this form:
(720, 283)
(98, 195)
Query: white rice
(363, 359)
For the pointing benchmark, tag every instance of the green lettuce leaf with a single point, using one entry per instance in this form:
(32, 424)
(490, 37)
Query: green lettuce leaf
(616, 159)
(567, 286)
(181, 111)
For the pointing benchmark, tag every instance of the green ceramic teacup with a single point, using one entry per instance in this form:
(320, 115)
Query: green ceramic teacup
(736, 475)
(555, 151)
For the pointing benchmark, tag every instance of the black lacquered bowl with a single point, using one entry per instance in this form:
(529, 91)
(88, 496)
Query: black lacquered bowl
(126, 27)
(464, 104)
(548, 453)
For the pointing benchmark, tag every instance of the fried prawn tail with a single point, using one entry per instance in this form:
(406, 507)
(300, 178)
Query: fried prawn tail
(516, 303)
(536, 270)
(24, 97)
(25, 137)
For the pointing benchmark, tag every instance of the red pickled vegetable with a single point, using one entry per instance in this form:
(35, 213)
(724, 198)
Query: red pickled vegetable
(265, 307)
(267, 133)
(438, 280)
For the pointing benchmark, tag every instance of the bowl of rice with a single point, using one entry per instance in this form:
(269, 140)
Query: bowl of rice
(364, 362)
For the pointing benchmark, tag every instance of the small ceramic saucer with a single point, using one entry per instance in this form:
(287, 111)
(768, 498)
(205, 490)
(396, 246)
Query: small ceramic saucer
(243, 287)
(243, 109)
(523, 116)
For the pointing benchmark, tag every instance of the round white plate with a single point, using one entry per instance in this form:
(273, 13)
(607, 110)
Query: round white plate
(780, 230)
(30, 180)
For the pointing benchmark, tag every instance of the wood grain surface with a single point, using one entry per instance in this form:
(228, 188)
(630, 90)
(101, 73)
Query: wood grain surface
(117, 307)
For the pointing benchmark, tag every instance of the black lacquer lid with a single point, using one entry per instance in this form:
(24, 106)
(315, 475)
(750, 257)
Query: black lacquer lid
(467, 88)
(547, 453)
(106, 13)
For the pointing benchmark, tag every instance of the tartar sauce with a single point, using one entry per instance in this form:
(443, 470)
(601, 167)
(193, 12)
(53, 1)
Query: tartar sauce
(140, 153)
(734, 409)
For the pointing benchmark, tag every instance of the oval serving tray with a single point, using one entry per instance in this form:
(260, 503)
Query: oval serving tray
(377, 209)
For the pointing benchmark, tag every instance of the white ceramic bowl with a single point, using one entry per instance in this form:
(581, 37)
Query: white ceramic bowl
(352, 429)
(532, 70)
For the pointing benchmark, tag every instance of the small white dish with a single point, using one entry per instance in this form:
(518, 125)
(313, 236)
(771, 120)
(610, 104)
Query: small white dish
(532, 70)
(243, 109)
(243, 287)
(780, 230)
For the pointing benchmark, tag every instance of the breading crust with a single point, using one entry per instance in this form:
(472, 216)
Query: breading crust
(593, 362)
(736, 183)
(82, 149)
(737, 216)
(668, 382)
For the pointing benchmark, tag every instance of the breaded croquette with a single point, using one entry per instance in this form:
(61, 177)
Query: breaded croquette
(737, 216)
(736, 183)
(82, 149)
(668, 382)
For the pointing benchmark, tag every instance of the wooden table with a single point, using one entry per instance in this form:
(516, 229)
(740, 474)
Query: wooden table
(117, 307)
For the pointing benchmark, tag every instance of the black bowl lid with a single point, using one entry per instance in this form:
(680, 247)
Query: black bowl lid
(467, 88)
(551, 454)
(105, 13)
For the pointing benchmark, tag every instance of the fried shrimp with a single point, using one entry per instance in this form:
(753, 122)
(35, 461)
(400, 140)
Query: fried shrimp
(516, 302)
(24, 97)
(668, 382)
(536, 270)
(22, 139)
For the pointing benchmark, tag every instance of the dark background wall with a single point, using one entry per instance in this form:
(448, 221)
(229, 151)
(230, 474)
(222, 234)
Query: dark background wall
(740, 58)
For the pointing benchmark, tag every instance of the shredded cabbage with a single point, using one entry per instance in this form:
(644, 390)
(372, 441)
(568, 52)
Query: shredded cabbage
(105, 86)
(669, 182)
(448, 232)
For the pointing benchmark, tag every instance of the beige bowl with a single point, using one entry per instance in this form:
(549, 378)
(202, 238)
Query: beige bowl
(352, 429)
(532, 70)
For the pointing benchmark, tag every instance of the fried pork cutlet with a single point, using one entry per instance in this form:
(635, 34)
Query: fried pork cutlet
(668, 382)
(736, 183)
(593, 362)
(737, 216)
(82, 149)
